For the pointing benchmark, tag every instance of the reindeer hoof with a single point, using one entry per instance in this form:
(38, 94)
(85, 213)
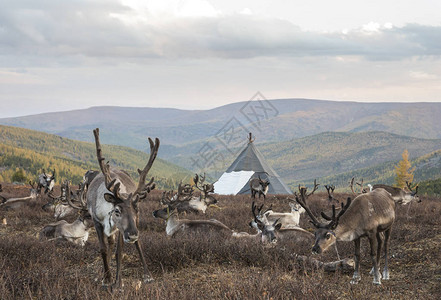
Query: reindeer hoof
(148, 279)
(355, 279)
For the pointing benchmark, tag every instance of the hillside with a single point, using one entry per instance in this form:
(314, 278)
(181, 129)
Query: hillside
(324, 154)
(274, 120)
(33, 151)
(427, 174)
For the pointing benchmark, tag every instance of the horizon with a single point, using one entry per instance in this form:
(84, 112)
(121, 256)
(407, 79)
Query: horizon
(210, 108)
(202, 54)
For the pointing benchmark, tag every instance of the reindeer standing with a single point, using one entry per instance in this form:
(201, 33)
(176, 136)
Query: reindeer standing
(46, 181)
(369, 215)
(259, 186)
(112, 201)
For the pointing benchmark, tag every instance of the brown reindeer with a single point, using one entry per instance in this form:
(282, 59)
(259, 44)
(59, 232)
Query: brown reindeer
(112, 201)
(400, 195)
(368, 215)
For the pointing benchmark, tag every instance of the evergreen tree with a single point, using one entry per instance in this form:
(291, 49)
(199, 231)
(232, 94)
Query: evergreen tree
(404, 171)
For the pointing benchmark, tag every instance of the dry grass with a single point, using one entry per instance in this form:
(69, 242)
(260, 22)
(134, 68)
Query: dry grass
(214, 266)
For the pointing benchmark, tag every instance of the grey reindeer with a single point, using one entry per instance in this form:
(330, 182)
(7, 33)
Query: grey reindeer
(112, 201)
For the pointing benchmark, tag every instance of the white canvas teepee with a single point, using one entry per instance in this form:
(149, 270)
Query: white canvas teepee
(249, 164)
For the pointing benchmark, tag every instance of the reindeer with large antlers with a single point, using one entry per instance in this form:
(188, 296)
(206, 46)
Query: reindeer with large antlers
(176, 225)
(399, 195)
(112, 201)
(367, 215)
(76, 232)
(206, 198)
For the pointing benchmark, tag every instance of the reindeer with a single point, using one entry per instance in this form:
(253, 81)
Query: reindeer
(288, 219)
(59, 205)
(15, 203)
(259, 186)
(368, 215)
(112, 201)
(205, 199)
(272, 231)
(176, 225)
(399, 195)
(46, 181)
(76, 232)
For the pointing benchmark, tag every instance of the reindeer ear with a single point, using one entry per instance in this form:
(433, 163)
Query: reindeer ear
(110, 198)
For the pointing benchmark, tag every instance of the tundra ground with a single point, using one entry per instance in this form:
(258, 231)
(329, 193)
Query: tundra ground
(214, 266)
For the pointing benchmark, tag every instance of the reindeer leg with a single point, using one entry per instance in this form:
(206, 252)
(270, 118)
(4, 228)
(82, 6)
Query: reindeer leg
(356, 277)
(104, 253)
(147, 276)
(374, 244)
(386, 248)
(118, 255)
(379, 246)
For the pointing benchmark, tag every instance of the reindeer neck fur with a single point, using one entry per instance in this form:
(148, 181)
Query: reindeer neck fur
(98, 207)
(198, 204)
(368, 212)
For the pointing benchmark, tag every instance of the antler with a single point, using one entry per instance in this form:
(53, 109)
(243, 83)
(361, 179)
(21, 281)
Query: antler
(105, 168)
(69, 200)
(330, 189)
(314, 189)
(414, 192)
(143, 189)
(301, 199)
(361, 186)
(204, 188)
(334, 220)
(183, 190)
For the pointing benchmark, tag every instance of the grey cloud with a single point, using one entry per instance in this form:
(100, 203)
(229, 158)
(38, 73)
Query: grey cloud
(54, 30)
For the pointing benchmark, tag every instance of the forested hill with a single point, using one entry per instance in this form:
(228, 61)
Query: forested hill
(273, 120)
(33, 151)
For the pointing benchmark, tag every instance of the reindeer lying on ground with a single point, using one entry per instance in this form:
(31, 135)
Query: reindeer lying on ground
(288, 219)
(259, 186)
(112, 201)
(368, 214)
(60, 206)
(46, 181)
(76, 232)
(272, 231)
(176, 225)
(399, 195)
(201, 203)
(15, 203)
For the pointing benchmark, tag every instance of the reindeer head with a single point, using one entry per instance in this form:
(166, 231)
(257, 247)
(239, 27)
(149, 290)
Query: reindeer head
(260, 222)
(264, 183)
(324, 233)
(412, 196)
(173, 201)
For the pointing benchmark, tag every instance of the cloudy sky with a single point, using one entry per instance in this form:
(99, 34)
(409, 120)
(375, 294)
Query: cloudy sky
(61, 55)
